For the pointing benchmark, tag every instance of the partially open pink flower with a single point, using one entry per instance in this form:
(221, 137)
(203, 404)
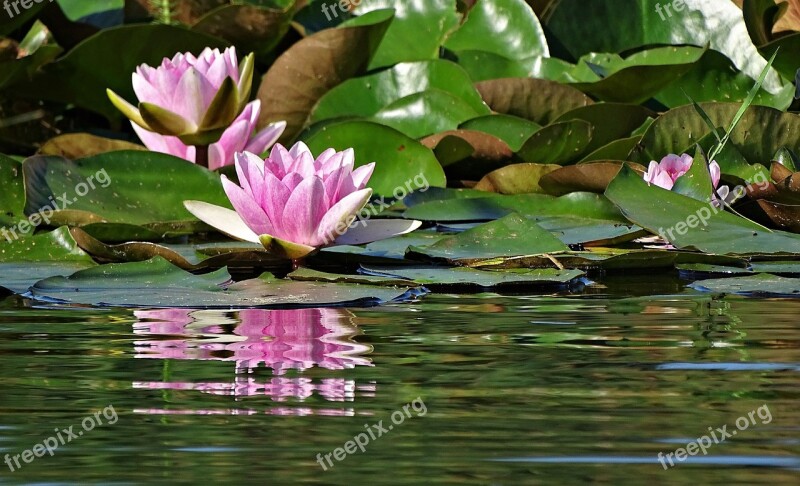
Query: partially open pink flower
(194, 98)
(239, 137)
(293, 204)
(665, 173)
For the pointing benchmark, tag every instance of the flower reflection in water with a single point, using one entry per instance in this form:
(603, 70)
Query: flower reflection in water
(282, 340)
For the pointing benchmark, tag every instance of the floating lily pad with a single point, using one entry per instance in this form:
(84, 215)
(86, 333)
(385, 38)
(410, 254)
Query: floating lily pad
(366, 95)
(576, 204)
(512, 235)
(434, 277)
(558, 143)
(12, 196)
(26, 260)
(157, 283)
(130, 187)
(516, 179)
(688, 223)
(426, 113)
(511, 129)
(761, 284)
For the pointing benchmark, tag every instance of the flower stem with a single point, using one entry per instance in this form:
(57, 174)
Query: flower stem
(201, 155)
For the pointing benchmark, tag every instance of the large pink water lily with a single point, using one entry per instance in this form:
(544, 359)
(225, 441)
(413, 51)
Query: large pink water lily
(294, 204)
(240, 136)
(193, 98)
(664, 174)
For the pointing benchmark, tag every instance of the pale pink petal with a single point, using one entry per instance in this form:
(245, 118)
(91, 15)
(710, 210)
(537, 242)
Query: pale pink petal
(188, 98)
(164, 144)
(233, 140)
(276, 195)
(303, 212)
(715, 171)
(339, 214)
(247, 208)
(362, 175)
(264, 139)
(250, 170)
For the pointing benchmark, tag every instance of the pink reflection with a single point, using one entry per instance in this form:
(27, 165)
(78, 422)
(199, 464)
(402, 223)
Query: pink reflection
(282, 340)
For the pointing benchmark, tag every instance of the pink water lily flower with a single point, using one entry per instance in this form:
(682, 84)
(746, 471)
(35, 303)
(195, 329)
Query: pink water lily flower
(664, 174)
(193, 98)
(240, 136)
(294, 204)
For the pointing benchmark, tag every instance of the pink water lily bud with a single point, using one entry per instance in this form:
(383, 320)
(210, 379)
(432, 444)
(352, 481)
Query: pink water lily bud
(664, 174)
(240, 136)
(193, 98)
(294, 204)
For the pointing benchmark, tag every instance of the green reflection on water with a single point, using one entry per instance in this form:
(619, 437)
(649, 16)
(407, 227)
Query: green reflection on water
(518, 390)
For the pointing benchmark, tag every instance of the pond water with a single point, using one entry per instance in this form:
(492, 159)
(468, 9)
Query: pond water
(455, 389)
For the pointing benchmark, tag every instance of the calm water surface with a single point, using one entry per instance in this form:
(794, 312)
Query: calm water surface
(498, 390)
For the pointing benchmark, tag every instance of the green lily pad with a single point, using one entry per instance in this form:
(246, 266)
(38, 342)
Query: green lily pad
(399, 157)
(12, 196)
(79, 145)
(610, 121)
(508, 28)
(426, 113)
(638, 24)
(691, 224)
(580, 204)
(128, 187)
(309, 275)
(417, 31)
(759, 134)
(559, 143)
(157, 283)
(512, 235)
(511, 129)
(27, 260)
(435, 277)
(761, 284)
(367, 95)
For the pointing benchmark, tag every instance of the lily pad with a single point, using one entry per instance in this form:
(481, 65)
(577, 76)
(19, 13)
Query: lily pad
(508, 28)
(558, 143)
(512, 235)
(537, 100)
(426, 113)
(367, 95)
(437, 277)
(691, 224)
(12, 196)
(580, 204)
(157, 283)
(131, 187)
(761, 284)
(511, 129)
(417, 31)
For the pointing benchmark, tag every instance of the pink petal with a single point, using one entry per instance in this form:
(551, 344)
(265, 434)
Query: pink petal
(233, 140)
(247, 208)
(164, 144)
(250, 170)
(338, 216)
(303, 212)
(362, 175)
(261, 141)
(276, 195)
(715, 171)
(188, 98)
